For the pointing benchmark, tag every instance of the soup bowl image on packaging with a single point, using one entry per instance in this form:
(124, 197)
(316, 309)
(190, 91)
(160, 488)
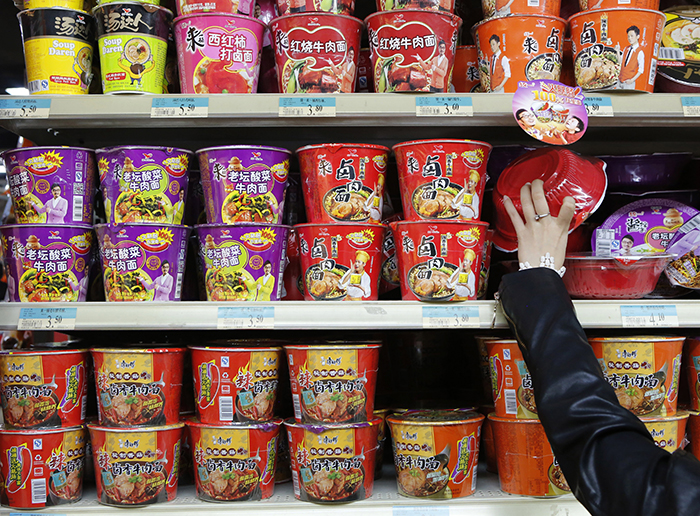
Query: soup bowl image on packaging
(316, 52)
(643, 370)
(493, 8)
(341, 262)
(144, 184)
(138, 387)
(234, 463)
(436, 452)
(47, 263)
(668, 432)
(511, 383)
(425, 62)
(616, 48)
(439, 261)
(42, 389)
(42, 468)
(333, 383)
(52, 185)
(442, 179)
(136, 466)
(343, 182)
(244, 183)
(333, 463)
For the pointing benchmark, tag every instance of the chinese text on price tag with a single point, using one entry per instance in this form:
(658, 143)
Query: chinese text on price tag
(649, 316)
(450, 317)
(47, 319)
(24, 108)
(252, 318)
(691, 106)
(599, 106)
(307, 106)
(180, 107)
(454, 105)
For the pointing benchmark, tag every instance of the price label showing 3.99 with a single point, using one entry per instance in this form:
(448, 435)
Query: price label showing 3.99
(246, 318)
(180, 107)
(47, 319)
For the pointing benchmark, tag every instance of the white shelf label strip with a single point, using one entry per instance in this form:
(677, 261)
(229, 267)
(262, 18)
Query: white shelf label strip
(598, 106)
(691, 106)
(649, 316)
(180, 107)
(246, 318)
(425, 510)
(306, 106)
(47, 319)
(451, 317)
(453, 105)
(25, 108)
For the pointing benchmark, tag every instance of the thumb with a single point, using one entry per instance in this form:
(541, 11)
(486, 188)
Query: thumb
(566, 213)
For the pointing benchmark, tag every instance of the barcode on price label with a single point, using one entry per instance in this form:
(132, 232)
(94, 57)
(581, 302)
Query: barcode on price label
(450, 317)
(424, 510)
(24, 108)
(691, 106)
(47, 319)
(307, 106)
(252, 318)
(180, 107)
(598, 106)
(649, 316)
(454, 105)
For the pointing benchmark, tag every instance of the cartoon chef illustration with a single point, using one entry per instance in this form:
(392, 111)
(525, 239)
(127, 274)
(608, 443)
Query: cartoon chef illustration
(136, 60)
(463, 279)
(631, 61)
(356, 281)
(467, 200)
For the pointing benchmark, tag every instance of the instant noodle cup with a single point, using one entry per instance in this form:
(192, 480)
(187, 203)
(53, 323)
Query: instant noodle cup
(234, 463)
(365, 81)
(144, 184)
(187, 7)
(138, 387)
(465, 76)
(219, 53)
(493, 8)
(343, 182)
(423, 5)
(49, 473)
(341, 262)
(484, 365)
(668, 432)
(57, 50)
(244, 183)
(293, 281)
(693, 427)
(133, 44)
(692, 367)
(442, 179)
(439, 261)
(51, 185)
(589, 5)
(389, 279)
(333, 463)
(526, 464)
(135, 467)
(142, 262)
(346, 7)
(485, 268)
(511, 383)
(47, 263)
(679, 56)
(643, 370)
(43, 389)
(75, 5)
(381, 441)
(616, 48)
(243, 262)
(333, 383)
(425, 62)
(316, 52)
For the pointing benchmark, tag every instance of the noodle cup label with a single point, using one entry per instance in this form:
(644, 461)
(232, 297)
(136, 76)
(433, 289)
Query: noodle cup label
(42, 468)
(442, 179)
(589, 5)
(185, 7)
(493, 8)
(235, 384)
(316, 53)
(423, 5)
(144, 184)
(511, 383)
(683, 269)
(43, 389)
(389, 279)
(519, 48)
(333, 384)
(679, 55)
(333, 464)
(644, 371)
(47, 263)
(234, 463)
(341, 261)
(343, 182)
(51, 185)
(465, 76)
(346, 7)
(293, 279)
(136, 467)
(668, 432)
(412, 50)
(139, 388)
(692, 367)
(616, 48)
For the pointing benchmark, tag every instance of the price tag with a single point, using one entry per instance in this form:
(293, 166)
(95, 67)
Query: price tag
(649, 316)
(248, 318)
(598, 106)
(450, 317)
(34, 514)
(180, 107)
(425, 510)
(444, 106)
(47, 318)
(307, 106)
(691, 106)
(24, 107)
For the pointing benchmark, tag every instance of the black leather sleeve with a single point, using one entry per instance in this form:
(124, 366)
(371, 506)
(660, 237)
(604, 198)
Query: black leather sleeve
(607, 456)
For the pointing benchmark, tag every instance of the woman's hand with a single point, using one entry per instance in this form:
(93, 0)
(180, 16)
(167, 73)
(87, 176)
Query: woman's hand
(548, 234)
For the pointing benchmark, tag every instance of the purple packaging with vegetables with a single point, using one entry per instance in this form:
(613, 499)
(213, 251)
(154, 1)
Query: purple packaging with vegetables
(684, 270)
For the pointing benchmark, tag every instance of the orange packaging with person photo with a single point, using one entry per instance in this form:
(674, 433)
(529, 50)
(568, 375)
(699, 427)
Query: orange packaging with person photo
(511, 383)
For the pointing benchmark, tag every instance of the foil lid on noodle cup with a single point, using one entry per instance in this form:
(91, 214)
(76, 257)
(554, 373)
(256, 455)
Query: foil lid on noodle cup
(679, 55)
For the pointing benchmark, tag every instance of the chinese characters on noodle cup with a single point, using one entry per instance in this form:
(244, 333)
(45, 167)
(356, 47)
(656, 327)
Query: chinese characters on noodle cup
(668, 432)
(511, 383)
(423, 5)
(493, 8)
(329, 6)
(465, 76)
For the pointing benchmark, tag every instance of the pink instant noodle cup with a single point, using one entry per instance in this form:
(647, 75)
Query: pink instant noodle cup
(346, 7)
(186, 7)
(316, 52)
(47, 263)
(219, 53)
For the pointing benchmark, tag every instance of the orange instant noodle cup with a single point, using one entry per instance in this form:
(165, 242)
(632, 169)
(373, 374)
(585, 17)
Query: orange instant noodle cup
(484, 366)
(465, 76)
(493, 8)
(567, 66)
(692, 367)
(526, 464)
(381, 441)
(589, 5)
(488, 448)
(643, 370)
(511, 383)
(436, 452)
(668, 432)
(616, 49)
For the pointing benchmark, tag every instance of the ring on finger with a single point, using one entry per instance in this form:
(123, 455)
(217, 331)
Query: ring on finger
(538, 217)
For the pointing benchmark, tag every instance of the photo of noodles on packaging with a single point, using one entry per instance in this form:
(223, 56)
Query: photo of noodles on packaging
(255, 407)
(66, 485)
(31, 411)
(325, 283)
(336, 405)
(136, 488)
(544, 66)
(556, 477)
(684, 34)
(241, 207)
(224, 285)
(127, 286)
(597, 68)
(26, 209)
(40, 286)
(432, 284)
(437, 203)
(215, 77)
(143, 207)
(349, 206)
(239, 483)
(135, 405)
(422, 483)
(341, 485)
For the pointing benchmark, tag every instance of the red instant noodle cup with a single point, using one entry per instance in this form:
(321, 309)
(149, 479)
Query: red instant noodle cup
(511, 383)
(692, 366)
(310, 6)
(694, 433)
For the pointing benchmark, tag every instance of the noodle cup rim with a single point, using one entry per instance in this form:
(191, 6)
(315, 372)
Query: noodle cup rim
(339, 347)
(142, 351)
(679, 415)
(236, 425)
(235, 349)
(239, 16)
(34, 431)
(308, 427)
(31, 352)
(244, 147)
(135, 429)
(315, 146)
(596, 11)
(140, 147)
(440, 140)
(108, 4)
(397, 419)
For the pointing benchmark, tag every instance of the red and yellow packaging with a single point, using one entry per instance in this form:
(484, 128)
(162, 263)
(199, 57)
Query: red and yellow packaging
(485, 268)
(293, 280)
(511, 383)
(436, 452)
(488, 448)
(138, 387)
(526, 464)
(643, 370)
(43, 389)
(344, 453)
(365, 81)
(389, 279)
(465, 76)
(234, 463)
(42, 468)
(333, 383)
(343, 182)
(493, 8)
(135, 467)
(381, 441)
(235, 384)
(692, 367)
(668, 432)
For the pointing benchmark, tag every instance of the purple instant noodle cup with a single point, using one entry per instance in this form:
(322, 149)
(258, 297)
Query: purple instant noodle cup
(142, 262)
(47, 263)
(51, 185)
(244, 262)
(244, 183)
